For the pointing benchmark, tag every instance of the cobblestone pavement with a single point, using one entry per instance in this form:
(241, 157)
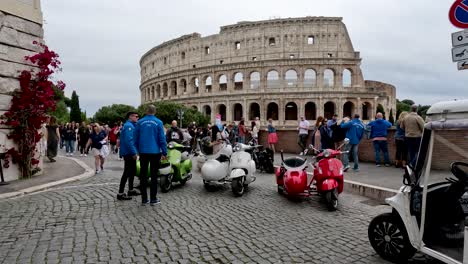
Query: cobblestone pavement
(82, 222)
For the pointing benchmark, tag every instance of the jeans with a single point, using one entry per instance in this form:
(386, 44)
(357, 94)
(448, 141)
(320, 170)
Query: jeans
(401, 150)
(70, 146)
(128, 173)
(153, 160)
(353, 149)
(381, 145)
(413, 149)
(302, 141)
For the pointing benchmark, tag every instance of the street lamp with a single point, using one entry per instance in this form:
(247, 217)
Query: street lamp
(180, 115)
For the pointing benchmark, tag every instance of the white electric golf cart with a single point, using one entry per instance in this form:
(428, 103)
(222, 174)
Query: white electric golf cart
(428, 213)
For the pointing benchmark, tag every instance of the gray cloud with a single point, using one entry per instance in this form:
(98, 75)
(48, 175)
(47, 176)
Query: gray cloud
(405, 43)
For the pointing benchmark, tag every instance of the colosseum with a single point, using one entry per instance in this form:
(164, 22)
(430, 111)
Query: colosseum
(280, 69)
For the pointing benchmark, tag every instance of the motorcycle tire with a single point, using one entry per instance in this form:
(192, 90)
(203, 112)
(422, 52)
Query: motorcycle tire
(237, 186)
(332, 200)
(166, 183)
(388, 236)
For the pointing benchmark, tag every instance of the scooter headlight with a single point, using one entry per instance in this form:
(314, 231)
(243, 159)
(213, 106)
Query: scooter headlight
(170, 145)
(326, 153)
(237, 148)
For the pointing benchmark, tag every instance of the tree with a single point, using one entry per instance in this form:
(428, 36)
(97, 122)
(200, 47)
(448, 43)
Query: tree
(167, 111)
(112, 114)
(408, 102)
(391, 119)
(380, 109)
(75, 112)
(403, 106)
(61, 110)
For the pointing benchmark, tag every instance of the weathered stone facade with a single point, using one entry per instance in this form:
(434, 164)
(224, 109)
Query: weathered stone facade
(20, 25)
(279, 69)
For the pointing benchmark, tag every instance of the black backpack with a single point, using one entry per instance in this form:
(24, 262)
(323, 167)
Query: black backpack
(338, 134)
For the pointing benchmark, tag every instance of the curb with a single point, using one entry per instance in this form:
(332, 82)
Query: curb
(88, 173)
(370, 191)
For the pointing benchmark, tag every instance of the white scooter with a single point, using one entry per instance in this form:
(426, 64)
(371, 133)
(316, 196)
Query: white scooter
(237, 168)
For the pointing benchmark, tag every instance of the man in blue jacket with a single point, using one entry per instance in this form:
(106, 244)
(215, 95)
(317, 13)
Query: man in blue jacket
(379, 138)
(354, 131)
(151, 144)
(129, 153)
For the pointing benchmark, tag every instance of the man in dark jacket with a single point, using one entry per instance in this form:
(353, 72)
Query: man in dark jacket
(379, 134)
(174, 134)
(129, 153)
(151, 144)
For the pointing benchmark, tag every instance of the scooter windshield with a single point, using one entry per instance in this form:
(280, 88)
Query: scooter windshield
(294, 163)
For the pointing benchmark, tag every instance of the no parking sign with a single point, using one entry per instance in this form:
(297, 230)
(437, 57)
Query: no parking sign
(458, 14)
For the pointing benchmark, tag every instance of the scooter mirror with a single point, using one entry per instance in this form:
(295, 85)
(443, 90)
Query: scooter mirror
(346, 141)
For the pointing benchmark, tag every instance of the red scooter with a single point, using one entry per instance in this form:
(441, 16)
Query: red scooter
(327, 179)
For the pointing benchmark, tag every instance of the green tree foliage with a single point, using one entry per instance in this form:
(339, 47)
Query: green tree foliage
(408, 102)
(391, 119)
(61, 111)
(402, 106)
(75, 112)
(167, 111)
(112, 114)
(381, 110)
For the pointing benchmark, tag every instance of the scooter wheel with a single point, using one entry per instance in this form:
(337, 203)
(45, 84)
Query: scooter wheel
(388, 237)
(331, 200)
(237, 186)
(166, 183)
(280, 190)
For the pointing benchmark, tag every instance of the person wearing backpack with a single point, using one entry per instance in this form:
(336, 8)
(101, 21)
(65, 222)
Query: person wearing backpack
(354, 132)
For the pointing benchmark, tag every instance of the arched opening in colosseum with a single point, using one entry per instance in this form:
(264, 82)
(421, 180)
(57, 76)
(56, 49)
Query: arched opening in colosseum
(291, 78)
(271, 42)
(254, 80)
(165, 90)
(174, 88)
(222, 82)
(238, 81)
(328, 78)
(158, 91)
(381, 109)
(348, 109)
(254, 111)
(195, 85)
(207, 110)
(152, 92)
(310, 40)
(329, 110)
(272, 111)
(182, 55)
(183, 85)
(222, 111)
(194, 107)
(310, 111)
(347, 81)
(290, 111)
(310, 77)
(208, 83)
(366, 111)
(273, 79)
(238, 112)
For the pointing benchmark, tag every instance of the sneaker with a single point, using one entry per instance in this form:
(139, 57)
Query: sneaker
(356, 170)
(346, 168)
(144, 202)
(155, 202)
(102, 168)
(133, 192)
(123, 196)
(71, 154)
(387, 165)
(98, 172)
(377, 165)
(85, 155)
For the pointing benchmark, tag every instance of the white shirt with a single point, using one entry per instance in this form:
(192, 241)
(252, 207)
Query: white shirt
(303, 130)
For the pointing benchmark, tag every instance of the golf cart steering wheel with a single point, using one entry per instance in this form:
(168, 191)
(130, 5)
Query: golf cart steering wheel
(458, 171)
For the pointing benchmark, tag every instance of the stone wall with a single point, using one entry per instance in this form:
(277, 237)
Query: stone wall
(16, 41)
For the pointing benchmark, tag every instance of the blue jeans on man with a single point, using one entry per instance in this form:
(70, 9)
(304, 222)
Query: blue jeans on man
(381, 145)
(353, 150)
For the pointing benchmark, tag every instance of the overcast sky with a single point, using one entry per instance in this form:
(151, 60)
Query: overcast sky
(405, 43)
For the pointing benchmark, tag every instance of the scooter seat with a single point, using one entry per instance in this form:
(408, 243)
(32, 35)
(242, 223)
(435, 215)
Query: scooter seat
(294, 162)
(222, 158)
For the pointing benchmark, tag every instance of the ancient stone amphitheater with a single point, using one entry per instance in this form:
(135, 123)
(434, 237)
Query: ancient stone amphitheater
(280, 69)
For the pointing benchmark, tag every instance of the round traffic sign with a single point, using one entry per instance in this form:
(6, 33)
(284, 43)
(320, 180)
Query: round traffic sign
(458, 13)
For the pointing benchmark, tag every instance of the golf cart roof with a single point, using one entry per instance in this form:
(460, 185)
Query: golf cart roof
(448, 115)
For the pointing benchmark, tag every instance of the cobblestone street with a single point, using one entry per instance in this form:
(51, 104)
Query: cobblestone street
(82, 222)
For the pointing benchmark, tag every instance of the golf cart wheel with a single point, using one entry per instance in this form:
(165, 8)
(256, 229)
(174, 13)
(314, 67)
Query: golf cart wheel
(388, 237)
(237, 186)
(331, 200)
(280, 190)
(166, 183)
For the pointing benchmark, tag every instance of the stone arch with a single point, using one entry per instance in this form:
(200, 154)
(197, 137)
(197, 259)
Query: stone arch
(208, 81)
(310, 111)
(173, 88)
(273, 80)
(221, 109)
(183, 85)
(347, 78)
(272, 111)
(206, 109)
(328, 78)
(238, 112)
(165, 90)
(152, 92)
(254, 111)
(238, 81)
(194, 107)
(348, 109)
(290, 111)
(195, 85)
(290, 76)
(158, 91)
(222, 80)
(329, 109)
(310, 78)
(366, 111)
(255, 80)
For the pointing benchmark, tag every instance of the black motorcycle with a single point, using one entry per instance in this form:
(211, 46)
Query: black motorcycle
(263, 158)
